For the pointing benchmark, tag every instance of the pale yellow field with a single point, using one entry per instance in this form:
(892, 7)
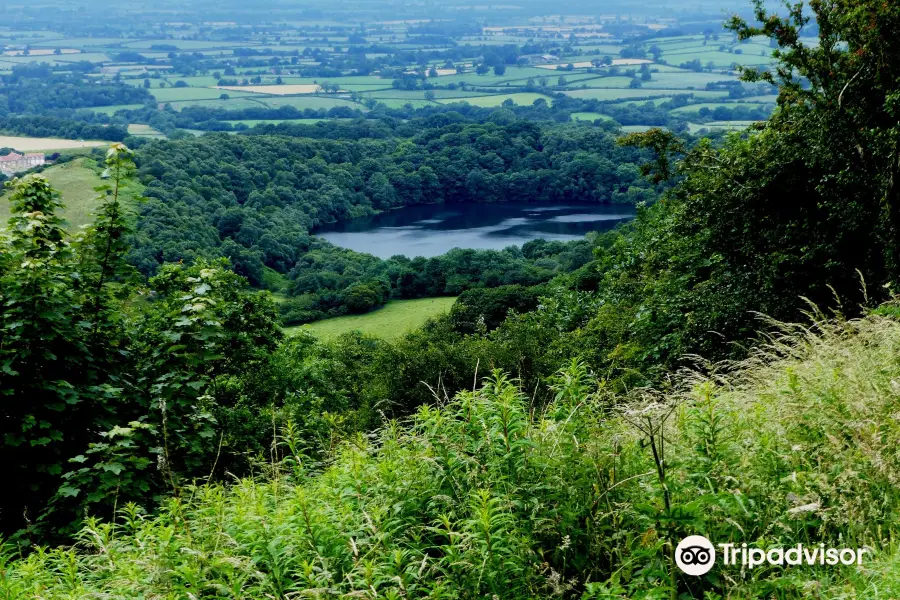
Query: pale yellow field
(277, 90)
(28, 144)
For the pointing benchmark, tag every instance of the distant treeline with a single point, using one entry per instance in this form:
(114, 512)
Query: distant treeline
(20, 94)
(43, 126)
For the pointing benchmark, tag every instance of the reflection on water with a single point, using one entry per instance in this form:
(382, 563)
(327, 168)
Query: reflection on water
(433, 229)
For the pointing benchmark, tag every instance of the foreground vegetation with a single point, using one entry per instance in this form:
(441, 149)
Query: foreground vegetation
(546, 437)
(491, 496)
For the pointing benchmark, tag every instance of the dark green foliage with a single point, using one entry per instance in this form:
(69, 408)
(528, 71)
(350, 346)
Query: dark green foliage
(48, 378)
(265, 193)
(485, 309)
(255, 199)
(38, 93)
(48, 126)
(753, 226)
(326, 274)
(112, 391)
(572, 480)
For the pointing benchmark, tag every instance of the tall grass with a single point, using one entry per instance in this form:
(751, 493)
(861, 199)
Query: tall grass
(488, 496)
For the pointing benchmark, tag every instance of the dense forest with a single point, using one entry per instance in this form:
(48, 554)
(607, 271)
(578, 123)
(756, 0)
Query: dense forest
(255, 198)
(553, 436)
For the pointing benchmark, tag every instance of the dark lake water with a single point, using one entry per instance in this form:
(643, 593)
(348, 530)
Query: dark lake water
(433, 229)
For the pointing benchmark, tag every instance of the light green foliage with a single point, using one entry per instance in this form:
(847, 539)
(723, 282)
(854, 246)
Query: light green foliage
(488, 496)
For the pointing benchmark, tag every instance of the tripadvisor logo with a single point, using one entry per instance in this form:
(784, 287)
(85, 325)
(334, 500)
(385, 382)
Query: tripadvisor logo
(696, 555)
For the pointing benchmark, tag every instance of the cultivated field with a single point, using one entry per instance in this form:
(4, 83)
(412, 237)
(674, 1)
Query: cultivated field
(278, 90)
(33, 144)
(658, 68)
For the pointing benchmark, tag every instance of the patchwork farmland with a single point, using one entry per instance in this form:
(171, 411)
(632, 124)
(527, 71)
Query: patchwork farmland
(690, 83)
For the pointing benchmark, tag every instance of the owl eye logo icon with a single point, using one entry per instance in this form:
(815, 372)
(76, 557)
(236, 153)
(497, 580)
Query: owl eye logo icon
(695, 555)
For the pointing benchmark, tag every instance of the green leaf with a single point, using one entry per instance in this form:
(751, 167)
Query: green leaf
(69, 491)
(114, 468)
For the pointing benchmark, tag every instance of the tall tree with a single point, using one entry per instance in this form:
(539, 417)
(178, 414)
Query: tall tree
(46, 366)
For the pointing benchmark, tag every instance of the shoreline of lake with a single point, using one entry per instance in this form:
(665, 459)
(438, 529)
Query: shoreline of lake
(433, 229)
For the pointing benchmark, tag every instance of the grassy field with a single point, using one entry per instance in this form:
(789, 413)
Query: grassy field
(232, 104)
(278, 90)
(691, 108)
(303, 102)
(522, 99)
(639, 128)
(720, 126)
(396, 318)
(111, 110)
(30, 144)
(590, 116)
(624, 94)
(144, 131)
(75, 181)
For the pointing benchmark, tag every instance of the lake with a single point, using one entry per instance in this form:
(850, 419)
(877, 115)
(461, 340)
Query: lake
(433, 229)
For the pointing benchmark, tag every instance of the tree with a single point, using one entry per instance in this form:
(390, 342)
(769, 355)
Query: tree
(482, 69)
(62, 349)
(104, 247)
(806, 206)
(44, 355)
(499, 69)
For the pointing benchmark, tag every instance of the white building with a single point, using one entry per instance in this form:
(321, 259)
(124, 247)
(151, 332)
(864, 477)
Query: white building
(16, 163)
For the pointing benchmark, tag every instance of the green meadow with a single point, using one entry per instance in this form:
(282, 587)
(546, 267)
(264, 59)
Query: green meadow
(389, 322)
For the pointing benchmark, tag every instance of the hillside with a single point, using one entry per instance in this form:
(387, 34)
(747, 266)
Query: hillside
(75, 181)
(486, 498)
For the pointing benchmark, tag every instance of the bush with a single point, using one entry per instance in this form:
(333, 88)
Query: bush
(490, 496)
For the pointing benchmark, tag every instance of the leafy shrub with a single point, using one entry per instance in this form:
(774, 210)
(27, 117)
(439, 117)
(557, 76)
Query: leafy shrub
(488, 497)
